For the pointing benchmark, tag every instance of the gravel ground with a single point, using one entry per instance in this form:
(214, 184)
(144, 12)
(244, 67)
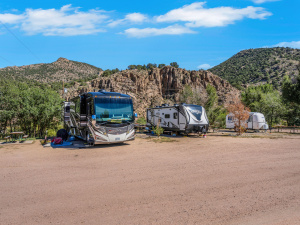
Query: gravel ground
(213, 180)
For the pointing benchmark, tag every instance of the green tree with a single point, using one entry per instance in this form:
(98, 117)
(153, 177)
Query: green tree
(132, 67)
(291, 97)
(32, 109)
(151, 65)
(174, 64)
(186, 95)
(266, 100)
(216, 114)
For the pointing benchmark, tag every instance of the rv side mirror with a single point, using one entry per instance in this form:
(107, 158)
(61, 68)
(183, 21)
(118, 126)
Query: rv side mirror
(88, 109)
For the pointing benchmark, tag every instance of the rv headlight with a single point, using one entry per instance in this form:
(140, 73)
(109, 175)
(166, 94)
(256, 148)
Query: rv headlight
(130, 127)
(102, 130)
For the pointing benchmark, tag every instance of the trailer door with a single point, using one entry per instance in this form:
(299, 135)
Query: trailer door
(250, 122)
(182, 121)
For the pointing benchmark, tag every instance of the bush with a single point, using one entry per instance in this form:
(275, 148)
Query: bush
(141, 121)
(51, 133)
(158, 130)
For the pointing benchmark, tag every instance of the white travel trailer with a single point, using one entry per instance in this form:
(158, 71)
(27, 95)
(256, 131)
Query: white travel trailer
(185, 118)
(256, 121)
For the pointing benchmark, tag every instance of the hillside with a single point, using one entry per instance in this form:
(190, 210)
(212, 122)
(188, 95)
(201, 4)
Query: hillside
(62, 69)
(148, 87)
(158, 85)
(260, 65)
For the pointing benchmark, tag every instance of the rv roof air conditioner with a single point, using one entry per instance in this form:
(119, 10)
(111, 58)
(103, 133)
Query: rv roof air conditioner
(102, 90)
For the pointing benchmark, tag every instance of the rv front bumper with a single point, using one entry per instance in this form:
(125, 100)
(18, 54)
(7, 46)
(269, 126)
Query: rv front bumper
(97, 142)
(196, 128)
(110, 138)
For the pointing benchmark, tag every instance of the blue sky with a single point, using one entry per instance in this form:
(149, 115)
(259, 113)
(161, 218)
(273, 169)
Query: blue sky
(115, 34)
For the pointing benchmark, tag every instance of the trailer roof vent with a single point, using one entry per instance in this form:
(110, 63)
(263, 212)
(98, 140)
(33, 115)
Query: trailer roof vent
(102, 90)
(176, 105)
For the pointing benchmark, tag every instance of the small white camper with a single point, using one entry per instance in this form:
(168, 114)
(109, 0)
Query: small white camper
(185, 118)
(256, 121)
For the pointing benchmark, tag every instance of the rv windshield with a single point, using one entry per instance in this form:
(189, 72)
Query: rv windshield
(115, 110)
(196, 110)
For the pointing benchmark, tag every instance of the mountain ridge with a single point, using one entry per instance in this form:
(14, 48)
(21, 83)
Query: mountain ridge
(260, 65)
(60, 70)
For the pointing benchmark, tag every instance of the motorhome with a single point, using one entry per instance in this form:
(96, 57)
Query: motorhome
(256, 121)
(185, 118)
(100, 117)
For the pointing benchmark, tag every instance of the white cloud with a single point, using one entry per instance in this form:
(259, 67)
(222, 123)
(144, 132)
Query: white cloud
(136, 17)
(66, 21)
(204, 66)
(195, 15)
(131, 18)
(292, 44)
(11, 18)
(263, 1)
(147, 32)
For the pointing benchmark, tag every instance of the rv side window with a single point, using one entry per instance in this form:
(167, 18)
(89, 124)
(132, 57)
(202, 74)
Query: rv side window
(175, 115)
(67, 109)
(167, 116)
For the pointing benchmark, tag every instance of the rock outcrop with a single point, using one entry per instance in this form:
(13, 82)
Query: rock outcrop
(157, 86)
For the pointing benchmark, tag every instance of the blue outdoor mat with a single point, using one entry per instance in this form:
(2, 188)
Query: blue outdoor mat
(64, 144)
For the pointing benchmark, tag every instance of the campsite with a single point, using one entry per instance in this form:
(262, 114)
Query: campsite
(213, 180)
(150, 112)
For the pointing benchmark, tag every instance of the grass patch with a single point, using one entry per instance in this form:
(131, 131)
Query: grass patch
(163, 139)
(259, 136)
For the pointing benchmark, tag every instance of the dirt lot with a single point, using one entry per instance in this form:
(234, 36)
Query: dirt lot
(217, 180)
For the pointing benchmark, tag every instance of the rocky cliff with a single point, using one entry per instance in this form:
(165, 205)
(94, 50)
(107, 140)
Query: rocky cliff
(157, 86)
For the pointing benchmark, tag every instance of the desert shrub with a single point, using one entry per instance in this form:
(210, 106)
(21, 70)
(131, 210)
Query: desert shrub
(141, 121)
(157, 130)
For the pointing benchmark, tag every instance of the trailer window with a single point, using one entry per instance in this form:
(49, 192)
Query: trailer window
(250, 119)
(167, 116)
(175, 115)
(230, 117)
